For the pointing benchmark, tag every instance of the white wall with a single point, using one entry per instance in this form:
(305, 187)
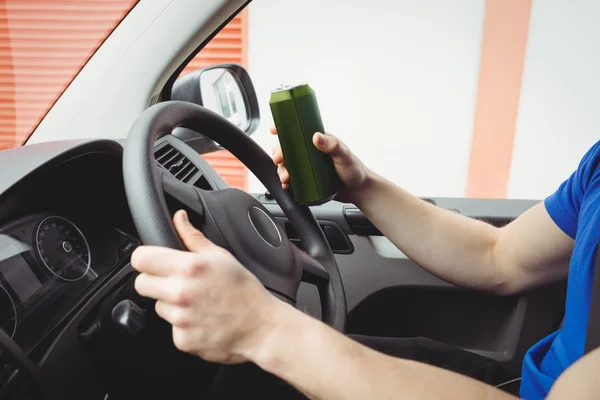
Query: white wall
(559, 112)
(395, 79)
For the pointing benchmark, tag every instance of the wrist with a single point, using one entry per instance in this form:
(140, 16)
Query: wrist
(361, 194)
(277, 336)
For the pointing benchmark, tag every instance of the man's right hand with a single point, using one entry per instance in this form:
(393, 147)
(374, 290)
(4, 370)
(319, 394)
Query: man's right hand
(350, 169)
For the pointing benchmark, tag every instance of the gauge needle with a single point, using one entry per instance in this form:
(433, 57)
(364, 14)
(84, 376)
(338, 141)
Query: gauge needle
(63, 256)
(69, 262)
(64, 264)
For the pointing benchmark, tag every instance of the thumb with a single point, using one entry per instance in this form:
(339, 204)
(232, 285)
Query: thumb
(333, 147)
(192, 238)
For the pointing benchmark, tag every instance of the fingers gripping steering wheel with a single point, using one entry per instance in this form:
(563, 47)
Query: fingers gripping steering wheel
(230, 217)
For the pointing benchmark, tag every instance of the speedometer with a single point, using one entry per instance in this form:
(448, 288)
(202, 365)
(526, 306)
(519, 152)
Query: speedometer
(62, 248)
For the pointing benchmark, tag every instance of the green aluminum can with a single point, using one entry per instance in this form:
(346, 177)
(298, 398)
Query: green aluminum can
(296, 115)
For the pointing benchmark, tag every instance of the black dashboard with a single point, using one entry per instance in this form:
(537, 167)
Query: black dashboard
(47, 262)
(64, 229)
(66, 236)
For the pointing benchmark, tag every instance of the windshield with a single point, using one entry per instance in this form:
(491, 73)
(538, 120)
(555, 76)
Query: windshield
(43, 46)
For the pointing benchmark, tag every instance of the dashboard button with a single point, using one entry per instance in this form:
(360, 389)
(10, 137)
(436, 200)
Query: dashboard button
(127, 247)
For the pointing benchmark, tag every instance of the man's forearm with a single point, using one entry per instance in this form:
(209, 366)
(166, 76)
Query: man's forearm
(456, 248)
(325, 364)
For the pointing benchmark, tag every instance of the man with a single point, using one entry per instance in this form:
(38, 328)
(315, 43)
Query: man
(220, 312)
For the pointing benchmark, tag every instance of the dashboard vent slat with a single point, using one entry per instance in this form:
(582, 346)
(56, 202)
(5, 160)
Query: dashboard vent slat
(186, 172)
(171, 161)
(175, 163)
(161, 155)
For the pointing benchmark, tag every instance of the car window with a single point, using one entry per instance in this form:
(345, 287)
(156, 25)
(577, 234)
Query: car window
(230, 45)
(43, 46)
(465, 98)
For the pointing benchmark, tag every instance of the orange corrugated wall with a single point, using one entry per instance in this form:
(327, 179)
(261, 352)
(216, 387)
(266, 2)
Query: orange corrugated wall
(45, 43)
(228, 46)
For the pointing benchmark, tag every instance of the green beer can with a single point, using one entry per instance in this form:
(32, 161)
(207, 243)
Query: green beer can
(296, 115)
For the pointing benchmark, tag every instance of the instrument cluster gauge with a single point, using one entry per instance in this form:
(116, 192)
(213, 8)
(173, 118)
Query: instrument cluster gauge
(63, 248)
(8, 313)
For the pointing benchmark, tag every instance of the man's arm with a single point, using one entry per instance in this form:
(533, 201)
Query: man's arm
(324, 364)
(580, 381)
(530, 251)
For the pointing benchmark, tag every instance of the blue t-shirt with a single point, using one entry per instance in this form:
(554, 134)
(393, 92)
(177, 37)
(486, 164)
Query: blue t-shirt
(575, 208)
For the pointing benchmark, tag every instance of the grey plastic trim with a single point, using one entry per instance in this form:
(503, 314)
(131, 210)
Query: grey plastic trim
(377, 264)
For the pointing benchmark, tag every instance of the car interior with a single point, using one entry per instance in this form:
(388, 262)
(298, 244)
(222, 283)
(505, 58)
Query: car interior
(72, 212)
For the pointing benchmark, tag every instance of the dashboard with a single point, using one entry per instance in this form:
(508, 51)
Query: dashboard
(66, 237)
(47, 261)
(65, 228)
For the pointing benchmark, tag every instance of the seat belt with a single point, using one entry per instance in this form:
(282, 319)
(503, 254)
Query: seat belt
(592, 336)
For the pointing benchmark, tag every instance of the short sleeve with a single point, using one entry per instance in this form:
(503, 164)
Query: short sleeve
(564, 204)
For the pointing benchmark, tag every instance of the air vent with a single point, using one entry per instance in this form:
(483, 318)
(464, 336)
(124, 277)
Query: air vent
(176, 163)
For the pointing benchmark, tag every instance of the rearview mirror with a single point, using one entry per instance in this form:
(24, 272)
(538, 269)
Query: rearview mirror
(225, 89)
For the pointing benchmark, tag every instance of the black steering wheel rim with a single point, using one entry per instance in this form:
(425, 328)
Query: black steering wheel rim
(144, 190)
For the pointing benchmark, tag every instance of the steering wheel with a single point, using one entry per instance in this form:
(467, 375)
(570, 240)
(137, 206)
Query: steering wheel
(230, 217)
